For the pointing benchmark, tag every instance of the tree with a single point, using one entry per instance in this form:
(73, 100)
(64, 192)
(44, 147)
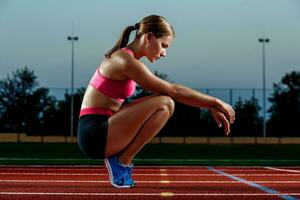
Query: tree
(285, 109)
(184, 121)
(22, 106)
(63, 114)
(14, 93)
(43, 112)
(248, 122)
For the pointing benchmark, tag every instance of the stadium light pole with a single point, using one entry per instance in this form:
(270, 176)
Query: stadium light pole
(263, 41)
(72, 39)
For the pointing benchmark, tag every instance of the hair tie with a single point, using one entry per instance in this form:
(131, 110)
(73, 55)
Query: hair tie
(136, 26)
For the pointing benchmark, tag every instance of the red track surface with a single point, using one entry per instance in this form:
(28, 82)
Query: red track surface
(91, 182)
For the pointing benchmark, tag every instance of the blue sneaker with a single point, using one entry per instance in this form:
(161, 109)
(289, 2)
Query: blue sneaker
(127, 176)
(119, 175)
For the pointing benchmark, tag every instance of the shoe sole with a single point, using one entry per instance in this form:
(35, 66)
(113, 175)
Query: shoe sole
(110, 173)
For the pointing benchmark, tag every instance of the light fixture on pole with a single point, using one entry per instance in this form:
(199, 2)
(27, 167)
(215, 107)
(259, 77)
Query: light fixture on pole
(263, 41)
(72, 39)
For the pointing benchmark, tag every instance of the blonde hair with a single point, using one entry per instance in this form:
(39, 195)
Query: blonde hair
(155, 24)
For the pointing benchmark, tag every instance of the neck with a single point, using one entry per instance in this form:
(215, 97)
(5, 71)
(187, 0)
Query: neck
(137, 48)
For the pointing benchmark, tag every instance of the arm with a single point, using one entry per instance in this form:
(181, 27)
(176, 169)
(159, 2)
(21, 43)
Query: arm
(146, 79)
(198, 99)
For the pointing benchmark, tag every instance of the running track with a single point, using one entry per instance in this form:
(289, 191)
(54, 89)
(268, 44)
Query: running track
(91, 182)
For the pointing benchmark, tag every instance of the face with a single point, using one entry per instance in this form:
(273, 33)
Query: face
(157, 47)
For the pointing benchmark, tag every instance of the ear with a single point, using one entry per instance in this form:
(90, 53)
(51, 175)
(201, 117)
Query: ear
(149, 35)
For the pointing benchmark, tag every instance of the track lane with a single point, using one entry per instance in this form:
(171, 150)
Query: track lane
(91, 183)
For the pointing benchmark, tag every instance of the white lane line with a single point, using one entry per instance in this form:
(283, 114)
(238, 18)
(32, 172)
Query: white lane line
(52, 181)
(153, 160)
(163, 172)
(283, 170)
(141, 166)
(97, 174)
(140, 194)
(136, 174)
(252, 184)
(100, 168)
(154, 181)
(51, 174)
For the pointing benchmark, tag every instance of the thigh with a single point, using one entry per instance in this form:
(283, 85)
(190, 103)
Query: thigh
(126, 123)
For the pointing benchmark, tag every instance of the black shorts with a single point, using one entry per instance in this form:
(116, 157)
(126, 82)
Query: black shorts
(92, 135)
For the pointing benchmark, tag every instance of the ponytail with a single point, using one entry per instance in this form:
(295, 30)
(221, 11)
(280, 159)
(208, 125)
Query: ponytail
(123, 39)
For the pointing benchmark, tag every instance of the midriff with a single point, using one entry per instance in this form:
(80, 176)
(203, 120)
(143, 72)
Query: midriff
(95, 99)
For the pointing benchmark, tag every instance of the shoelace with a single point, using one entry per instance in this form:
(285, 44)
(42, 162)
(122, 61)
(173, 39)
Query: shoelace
(127, 173)
(120, 178)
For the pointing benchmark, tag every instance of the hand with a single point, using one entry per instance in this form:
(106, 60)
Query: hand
(220, 119)
(226, 109)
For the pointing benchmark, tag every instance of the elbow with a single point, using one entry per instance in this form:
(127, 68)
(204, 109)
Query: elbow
(175, 91)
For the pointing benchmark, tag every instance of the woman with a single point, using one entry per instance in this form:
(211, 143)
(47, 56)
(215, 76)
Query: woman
(107, 130)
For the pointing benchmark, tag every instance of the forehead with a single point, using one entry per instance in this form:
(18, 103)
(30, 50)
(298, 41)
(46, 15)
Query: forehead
(166, 39)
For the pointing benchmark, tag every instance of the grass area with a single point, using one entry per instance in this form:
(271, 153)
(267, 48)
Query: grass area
(157, 154)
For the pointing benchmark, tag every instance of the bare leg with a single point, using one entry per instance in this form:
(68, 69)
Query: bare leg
(133, 126)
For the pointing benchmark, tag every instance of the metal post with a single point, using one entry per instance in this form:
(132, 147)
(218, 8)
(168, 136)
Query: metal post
(72, 39)
(230, 96)
(253, 93)
(263, 41)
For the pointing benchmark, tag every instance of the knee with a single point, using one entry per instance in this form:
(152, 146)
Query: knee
(166, 103)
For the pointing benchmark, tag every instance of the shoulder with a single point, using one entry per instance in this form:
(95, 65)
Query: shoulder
(121, 56)
(119, 60)
(116, 67)
(124, 62)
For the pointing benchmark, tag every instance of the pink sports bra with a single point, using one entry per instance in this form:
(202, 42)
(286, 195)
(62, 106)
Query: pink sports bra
(118, 90)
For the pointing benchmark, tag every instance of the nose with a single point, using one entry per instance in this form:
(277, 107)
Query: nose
(163, 53)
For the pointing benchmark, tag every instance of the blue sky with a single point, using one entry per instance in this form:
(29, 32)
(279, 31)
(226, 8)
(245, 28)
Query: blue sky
(216, 43)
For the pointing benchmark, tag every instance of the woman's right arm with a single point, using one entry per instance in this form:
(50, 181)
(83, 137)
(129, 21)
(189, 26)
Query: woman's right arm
(138, 72)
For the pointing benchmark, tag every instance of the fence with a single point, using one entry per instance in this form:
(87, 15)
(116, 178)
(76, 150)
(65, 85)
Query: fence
(229, 95)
